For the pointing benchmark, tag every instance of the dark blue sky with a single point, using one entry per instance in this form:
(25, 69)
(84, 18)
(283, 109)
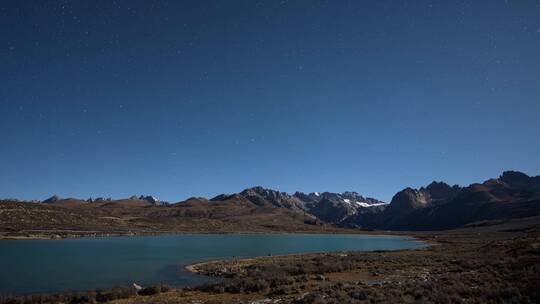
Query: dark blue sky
(196, 98)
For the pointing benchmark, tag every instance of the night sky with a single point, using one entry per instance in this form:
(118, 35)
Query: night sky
(195, 98)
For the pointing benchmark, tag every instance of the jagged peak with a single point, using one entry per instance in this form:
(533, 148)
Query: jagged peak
(221, 197)
(436, 184)
(352, 195)
(52, 199)
(265, 193)
(409, 190)
(261, 189)
(514, 173)
(512, 177)
(520, 180)
(410, 197)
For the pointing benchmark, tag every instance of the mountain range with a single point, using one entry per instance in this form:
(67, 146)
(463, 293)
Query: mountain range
(434, 207)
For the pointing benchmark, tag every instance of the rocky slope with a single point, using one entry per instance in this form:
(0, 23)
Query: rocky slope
(333, 208)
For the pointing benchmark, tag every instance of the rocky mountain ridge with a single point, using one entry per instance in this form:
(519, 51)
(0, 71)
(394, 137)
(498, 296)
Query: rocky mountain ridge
(327, 206)
(435, 206)
(441, 206)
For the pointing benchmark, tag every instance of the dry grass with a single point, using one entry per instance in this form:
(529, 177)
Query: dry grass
(36, 220)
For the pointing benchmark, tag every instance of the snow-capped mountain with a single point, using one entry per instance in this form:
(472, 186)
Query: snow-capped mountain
(327, 206)
(337, 207)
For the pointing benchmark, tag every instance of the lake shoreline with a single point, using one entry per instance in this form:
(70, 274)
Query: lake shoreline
(197, 267)
(413, 236)
(71, 234)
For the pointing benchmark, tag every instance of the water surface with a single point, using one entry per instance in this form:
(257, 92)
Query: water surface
(30, 266)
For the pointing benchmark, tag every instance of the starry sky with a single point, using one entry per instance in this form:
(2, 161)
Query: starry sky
(196, 98)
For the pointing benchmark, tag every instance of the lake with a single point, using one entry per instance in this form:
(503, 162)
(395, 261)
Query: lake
(32, 266)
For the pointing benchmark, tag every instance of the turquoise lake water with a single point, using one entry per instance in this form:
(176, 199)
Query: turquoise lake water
(32, 266)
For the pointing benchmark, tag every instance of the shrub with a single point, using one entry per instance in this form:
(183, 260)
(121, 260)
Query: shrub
(152, 290)
(115, 294)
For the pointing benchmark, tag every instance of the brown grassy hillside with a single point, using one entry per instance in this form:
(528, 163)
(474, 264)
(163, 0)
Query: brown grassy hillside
(68, 218)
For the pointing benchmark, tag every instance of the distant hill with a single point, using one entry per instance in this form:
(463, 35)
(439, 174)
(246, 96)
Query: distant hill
(133, 201)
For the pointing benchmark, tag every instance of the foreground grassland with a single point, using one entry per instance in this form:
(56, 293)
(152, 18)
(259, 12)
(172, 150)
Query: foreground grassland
(495, 263)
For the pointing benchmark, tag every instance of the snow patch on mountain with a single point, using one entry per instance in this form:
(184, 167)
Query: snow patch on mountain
(366, 205)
